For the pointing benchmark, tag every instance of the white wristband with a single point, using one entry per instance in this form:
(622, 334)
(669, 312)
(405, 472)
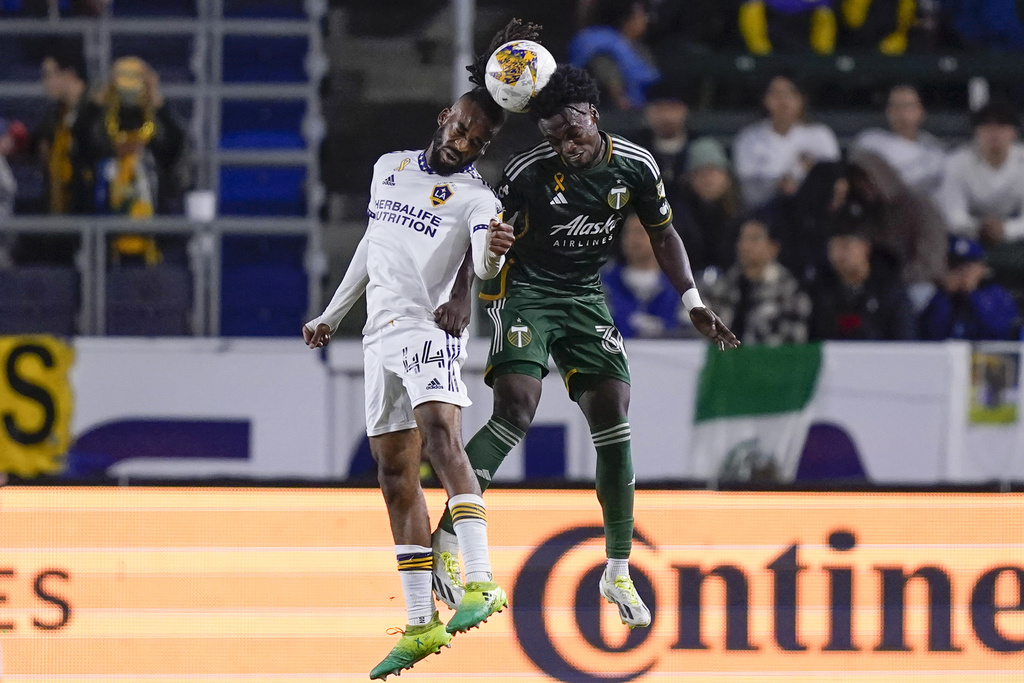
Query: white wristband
(691, 299)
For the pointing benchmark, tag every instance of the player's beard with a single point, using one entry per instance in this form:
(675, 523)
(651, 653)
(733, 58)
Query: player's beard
(435, 160)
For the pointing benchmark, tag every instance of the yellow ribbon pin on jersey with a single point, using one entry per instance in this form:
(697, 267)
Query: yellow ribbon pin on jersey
(559, 182)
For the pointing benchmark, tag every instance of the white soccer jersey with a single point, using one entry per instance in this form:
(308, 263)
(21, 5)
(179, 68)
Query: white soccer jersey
(421, 224)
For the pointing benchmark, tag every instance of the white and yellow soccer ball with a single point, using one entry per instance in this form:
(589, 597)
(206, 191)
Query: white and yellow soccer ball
(516, 72)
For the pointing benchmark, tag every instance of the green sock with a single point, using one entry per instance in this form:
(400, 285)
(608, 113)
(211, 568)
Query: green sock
(615, 483)
(486, 450)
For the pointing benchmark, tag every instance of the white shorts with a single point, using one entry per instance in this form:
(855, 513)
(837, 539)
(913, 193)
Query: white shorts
(408, 362)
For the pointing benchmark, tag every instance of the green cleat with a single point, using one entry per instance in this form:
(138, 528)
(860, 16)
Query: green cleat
(416, 643)
(482, 599)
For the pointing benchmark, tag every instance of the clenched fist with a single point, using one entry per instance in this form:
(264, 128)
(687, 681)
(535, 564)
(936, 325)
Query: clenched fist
(314, 339)
(500, 237)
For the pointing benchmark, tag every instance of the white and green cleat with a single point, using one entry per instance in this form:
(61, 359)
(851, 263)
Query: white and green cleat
(622, 593)
(446, 577)
(416, 643)
(481, 600)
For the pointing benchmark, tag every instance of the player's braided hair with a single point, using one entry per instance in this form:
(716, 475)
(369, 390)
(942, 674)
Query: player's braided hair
(514, 30)
(568, 85)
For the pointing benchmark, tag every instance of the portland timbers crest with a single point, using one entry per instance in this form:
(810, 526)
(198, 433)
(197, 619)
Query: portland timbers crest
(618, 197)
(519, 336)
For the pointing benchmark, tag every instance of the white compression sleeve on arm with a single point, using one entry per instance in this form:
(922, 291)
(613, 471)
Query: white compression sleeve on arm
(486, 264)
(351, 288)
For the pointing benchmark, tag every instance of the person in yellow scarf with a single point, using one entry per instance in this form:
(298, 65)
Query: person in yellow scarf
(127, 181)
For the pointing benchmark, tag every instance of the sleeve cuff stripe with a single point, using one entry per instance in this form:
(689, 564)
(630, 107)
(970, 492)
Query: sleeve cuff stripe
(664, 222)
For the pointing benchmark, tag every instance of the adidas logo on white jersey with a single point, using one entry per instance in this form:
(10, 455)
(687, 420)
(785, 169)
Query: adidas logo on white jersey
(390, 180)
(434, 385)
(558, 199)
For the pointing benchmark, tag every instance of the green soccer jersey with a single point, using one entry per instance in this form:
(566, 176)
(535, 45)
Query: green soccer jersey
(567, 219)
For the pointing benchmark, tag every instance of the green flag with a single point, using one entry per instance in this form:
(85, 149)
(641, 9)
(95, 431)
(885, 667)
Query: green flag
(753, 409)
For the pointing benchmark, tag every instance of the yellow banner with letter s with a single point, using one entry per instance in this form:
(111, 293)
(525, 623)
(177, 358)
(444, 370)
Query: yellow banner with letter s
(35, 404)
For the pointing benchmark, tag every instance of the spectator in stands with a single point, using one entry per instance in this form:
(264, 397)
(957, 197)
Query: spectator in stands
(803, 222)
(610, 48)
(12, 138)
(665, 134)
(642, 301)
(876, 24)
(137, 145)
(757, 295)
(52, 8)
(916, 155)
(706, 205)
(991, 24)
(855, 298)
(969, 305)
(58, 140)
(983, 190)
(788, 26)
(773, 156)
(903, 225)
(982, 194)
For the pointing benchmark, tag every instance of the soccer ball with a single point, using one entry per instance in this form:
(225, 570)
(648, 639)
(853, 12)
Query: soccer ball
(516, 72)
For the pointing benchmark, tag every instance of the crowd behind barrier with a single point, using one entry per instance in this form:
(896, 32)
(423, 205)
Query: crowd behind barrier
(882, 233)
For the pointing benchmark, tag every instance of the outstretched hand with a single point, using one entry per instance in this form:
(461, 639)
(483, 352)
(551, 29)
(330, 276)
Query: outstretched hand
(712, 327)
(317, 338)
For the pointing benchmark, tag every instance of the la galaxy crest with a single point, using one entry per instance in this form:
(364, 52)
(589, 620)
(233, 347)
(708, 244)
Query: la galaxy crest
(441, 194)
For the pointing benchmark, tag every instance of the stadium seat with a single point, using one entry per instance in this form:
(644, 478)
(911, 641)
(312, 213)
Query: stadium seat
(169, 55)
(21, 56)
(39, 300)
(153, 8)
(262, 124)
(265, 9)
(273, 191)
(31, 197)
(149, 301)
(181, 107)
(263, 300)
(26, 109)
(264, 288)
(264, 59)
(250, 250)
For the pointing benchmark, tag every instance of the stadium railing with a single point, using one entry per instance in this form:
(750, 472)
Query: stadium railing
(205, 242)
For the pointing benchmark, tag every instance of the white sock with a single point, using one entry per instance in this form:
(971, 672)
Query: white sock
(446, 542)
(414, 569)
(470, 521)
(616, 567)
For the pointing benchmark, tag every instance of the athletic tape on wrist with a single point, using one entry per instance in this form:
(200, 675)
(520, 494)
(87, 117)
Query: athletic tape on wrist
(691, 299)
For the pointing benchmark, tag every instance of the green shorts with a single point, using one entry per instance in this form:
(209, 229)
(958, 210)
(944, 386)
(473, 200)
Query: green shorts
(577, 333)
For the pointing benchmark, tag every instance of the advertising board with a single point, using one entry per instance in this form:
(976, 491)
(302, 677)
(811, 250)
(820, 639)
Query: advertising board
(204, 584)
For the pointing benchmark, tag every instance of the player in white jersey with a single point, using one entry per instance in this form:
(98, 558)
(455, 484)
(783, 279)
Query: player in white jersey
(427, 208)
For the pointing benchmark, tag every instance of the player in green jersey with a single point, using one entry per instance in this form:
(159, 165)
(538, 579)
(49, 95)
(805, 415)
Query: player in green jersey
(568, 198)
